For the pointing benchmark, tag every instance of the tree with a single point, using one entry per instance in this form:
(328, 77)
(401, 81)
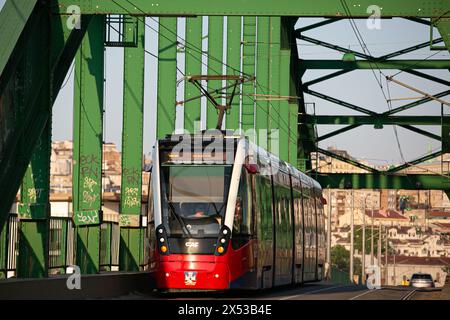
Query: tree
(340, 258)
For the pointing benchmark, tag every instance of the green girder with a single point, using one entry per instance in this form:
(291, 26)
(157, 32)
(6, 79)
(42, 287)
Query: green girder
(215, 53)
(27, 121)
(88, 145)
(382, 181)
(344, 159)
(132, 149)
(193, 67)
(262, 77)
(374, 120)
(274, 84)
(233, 68)
(13, 18)
(318, 8)
(374, 64)
(132, 136)
(414, 162)
(248, 68)
(167, 77)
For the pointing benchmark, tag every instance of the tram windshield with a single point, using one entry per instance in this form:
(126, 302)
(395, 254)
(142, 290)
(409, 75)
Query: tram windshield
(194, 199)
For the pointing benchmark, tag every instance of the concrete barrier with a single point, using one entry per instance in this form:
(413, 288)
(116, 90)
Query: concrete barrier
(95, 286)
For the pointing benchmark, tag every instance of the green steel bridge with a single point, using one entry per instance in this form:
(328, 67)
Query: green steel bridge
(40, 39)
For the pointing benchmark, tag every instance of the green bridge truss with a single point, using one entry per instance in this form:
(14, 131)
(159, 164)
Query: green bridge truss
(40, 39)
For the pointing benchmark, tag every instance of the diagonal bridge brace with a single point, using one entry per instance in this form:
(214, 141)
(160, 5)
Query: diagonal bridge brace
(347, 160)
(414, 162)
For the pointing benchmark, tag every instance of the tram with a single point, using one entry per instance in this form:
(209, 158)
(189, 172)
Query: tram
(226, 214)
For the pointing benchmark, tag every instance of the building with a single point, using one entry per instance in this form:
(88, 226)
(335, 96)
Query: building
(62, 163)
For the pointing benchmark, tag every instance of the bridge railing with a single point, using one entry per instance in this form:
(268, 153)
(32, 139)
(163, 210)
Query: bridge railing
(61, 246)
(9, 238)
(61, 235)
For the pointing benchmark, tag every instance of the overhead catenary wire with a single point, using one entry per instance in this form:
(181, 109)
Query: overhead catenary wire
(199, 50)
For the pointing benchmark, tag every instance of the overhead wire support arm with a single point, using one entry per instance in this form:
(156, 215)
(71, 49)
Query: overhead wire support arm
(418, 91)
(196, 81)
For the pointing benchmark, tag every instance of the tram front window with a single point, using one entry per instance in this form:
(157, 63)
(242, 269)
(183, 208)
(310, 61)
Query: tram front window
(194, 199)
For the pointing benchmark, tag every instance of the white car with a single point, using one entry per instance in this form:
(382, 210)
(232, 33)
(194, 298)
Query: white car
(421, 280)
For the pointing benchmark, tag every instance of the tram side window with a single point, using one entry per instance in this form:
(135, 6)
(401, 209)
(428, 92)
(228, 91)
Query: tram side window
(242, 224)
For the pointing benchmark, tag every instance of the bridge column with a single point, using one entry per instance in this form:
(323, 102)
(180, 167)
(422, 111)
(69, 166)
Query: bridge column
(34, 210)
(285, 74)
(274, 84)
(233, 68)
(34, 206)
(167, 76)
(262, 78)
(215, 55)
(193, 66)
(131, 233)
(87, 149)
(248, 68)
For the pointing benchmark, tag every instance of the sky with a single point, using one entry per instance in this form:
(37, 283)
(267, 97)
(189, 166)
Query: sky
(378, 146)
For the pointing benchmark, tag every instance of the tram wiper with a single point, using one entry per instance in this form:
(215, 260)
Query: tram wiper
(180, 221)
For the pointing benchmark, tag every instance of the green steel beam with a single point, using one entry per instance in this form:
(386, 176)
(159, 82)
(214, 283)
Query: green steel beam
(428, 77)
(422, 132)
(34, 208)
(288, 129)
(347, 160)
(193, 66)
(336, 132)
(339, 102)
(382, 181)
(234, 29)
(374, 120)
(324, 78)
(284, 105)
(370, 64)
(32, 120)
(376, 60)
(415, 103)
(418, 20)
(299, 31)
(409, 49)
(248, 68)
(333, 46)
(262, 77)
(274, 84)
(443, 25)
(13, 18)
(88, 144)
(215, 57)
(131, 249)
(167, 77)
(132, 138)
(414, 162)
(318, 8)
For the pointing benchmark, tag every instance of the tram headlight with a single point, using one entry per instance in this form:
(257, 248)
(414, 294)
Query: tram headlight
(161, 240)
(223, 240)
